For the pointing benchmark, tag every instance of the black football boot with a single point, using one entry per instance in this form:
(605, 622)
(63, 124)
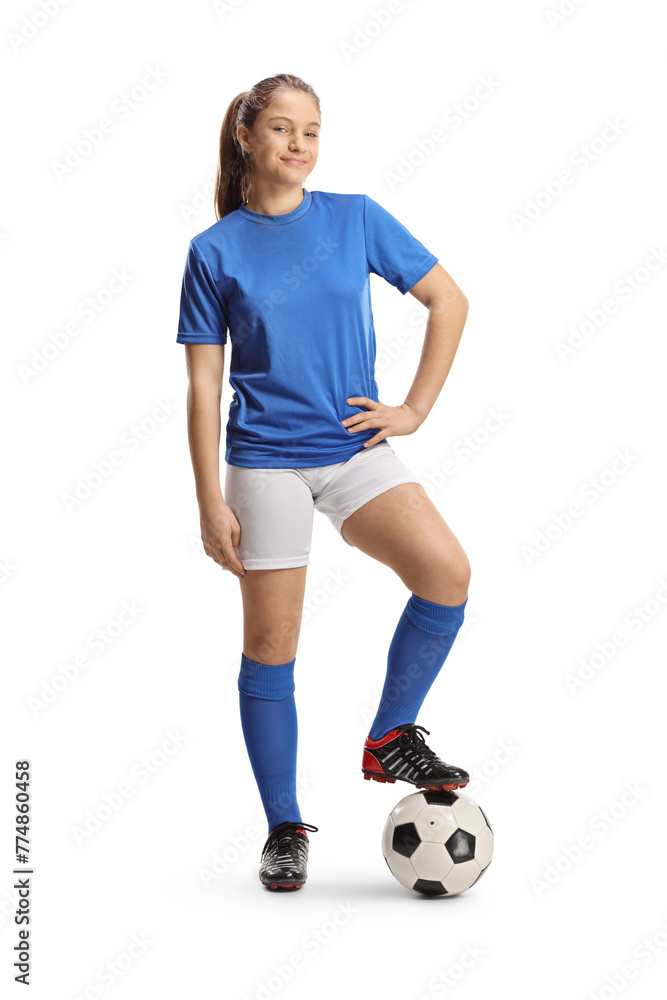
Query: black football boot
(402, 753)
(285, 856)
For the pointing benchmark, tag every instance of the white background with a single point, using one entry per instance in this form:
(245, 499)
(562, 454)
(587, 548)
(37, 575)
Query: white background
(548, 760)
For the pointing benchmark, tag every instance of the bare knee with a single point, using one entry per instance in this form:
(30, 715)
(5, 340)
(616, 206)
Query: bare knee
(445, 581)
(272, 611)
(269, 654)
(461, 572)
(274, 644)
(272, 637)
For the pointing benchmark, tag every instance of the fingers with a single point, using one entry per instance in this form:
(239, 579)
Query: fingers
(235, 539)
(223, 553)
(363, 425)
(369, 404)
(231, 560)
(359, 419)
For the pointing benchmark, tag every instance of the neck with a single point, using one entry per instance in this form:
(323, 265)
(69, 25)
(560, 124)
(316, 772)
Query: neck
(272, 205)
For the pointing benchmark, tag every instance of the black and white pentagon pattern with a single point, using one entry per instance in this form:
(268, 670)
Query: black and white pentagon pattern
(437, 843)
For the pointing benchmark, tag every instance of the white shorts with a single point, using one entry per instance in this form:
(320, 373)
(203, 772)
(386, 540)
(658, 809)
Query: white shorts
(275, 506)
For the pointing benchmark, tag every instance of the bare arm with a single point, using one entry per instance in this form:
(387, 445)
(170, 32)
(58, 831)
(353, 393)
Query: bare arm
(447, 314)
(220, 529)
(205, 367)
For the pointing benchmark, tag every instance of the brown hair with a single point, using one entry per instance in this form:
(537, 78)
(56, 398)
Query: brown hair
(232, 182)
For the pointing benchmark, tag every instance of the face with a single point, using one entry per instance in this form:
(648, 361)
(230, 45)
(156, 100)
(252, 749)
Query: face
(284, 142)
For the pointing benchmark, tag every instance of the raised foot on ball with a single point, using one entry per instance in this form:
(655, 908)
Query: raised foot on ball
(401, 753)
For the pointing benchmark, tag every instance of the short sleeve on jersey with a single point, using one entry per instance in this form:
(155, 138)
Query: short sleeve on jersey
(203, 315)
(391, 250)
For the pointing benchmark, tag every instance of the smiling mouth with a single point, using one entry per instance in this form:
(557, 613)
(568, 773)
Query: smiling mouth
(293, 159)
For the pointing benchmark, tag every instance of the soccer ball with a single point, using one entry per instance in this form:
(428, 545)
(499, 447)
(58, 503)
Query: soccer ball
(437, 843)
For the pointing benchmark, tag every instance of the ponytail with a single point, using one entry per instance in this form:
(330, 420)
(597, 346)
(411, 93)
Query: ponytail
(233, 173)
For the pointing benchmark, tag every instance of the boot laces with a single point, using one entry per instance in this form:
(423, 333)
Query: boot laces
(410, 737)
(284, 832)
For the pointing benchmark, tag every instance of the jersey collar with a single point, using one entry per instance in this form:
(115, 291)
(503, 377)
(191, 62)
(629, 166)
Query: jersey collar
(278, 220)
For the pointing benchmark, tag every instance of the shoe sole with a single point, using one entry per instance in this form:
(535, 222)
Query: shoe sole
(287, 886)
(372, 775)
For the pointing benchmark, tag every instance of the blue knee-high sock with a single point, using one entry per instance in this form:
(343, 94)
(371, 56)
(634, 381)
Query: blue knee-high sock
(421, 642)
(269, 723)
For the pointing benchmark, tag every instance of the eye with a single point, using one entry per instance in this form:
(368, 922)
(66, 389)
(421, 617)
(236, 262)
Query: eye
(314, 134)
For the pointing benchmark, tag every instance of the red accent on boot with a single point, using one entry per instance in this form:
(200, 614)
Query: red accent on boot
(383, 739)
(371, 763)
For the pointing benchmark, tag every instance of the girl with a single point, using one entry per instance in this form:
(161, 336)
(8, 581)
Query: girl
(286, 271)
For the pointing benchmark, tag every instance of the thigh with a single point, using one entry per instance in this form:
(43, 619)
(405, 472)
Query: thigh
(274, 508)
(272, 610)
(351, 484)
(402, 528)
